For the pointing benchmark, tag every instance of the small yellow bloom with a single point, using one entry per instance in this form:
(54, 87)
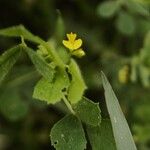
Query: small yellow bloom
(123, 74)
(72, 43)
(79, 53)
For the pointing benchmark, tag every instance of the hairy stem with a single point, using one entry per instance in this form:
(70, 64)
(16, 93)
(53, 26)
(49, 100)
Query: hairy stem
(54, 54)
(68, 105)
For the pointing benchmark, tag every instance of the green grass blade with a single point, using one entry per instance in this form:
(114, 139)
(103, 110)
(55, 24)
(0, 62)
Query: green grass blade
(122, 134)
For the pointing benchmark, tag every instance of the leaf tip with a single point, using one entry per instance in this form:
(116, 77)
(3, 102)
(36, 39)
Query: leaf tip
(103, 77)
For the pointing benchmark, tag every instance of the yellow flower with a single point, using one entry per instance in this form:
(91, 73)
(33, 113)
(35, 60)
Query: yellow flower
(123, 74)
(79, 53)
(72, 43)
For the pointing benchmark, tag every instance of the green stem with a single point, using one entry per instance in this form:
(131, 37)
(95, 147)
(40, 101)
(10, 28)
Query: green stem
(54, 54)
(61, 64)
(68, 105)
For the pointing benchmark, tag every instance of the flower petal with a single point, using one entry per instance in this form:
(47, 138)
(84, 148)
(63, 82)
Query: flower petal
(68, 44)
(71, 37)
(79, 53)
(77, 44)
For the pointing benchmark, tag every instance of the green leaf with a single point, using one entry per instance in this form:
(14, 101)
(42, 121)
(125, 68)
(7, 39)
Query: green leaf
(11, 105)
(108, 9)
(88, 111)
(143, 26)
(77, 86)
(147, 41)
(145, 56)
(41, 65)
(8, 59)
(142, 111)
(143, 2)
(52, 92)
(122, 134)
(142, 132)
(68, 134)
(134, 68)
(125, 23)
(64, 55)
(137, 8)
(59, 28)
(101, 137)
(18, 31)
(144, 75)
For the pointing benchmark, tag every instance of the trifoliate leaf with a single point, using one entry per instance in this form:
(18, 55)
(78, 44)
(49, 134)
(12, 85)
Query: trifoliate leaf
(77, 86)
(108, 9)
(51, 92)
(41, 65)
(125, 23)
(122, 133)
(88, 112)
(18, 31)
(68, 134)
(8, 59)
(101, 137)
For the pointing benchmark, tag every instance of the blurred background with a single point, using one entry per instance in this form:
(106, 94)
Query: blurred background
(116, 39)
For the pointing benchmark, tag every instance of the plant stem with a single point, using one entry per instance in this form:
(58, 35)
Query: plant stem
(54, 54)
(68, 105)
(60, 63)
